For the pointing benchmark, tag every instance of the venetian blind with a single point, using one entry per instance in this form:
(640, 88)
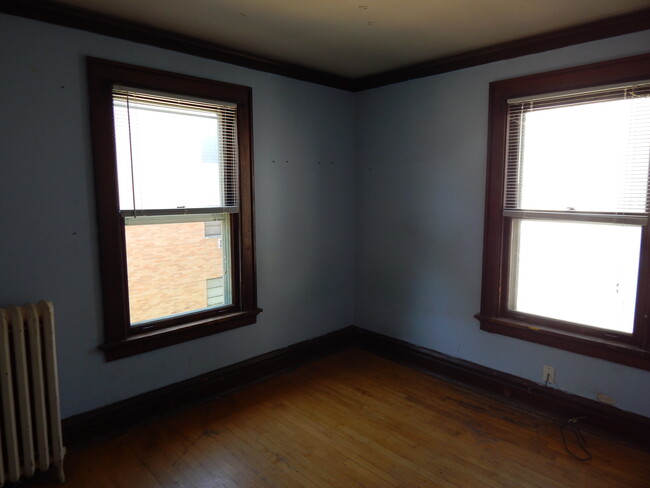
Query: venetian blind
(175, 155)
(585, 152)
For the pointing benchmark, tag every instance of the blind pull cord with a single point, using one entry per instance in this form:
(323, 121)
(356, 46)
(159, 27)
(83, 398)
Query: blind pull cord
(128, 117)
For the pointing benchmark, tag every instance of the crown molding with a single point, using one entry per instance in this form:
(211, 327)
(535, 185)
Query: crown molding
(83, 19)
(87, 20)
(601, 29)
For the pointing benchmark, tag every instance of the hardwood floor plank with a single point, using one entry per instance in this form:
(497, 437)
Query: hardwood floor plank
(354, 420)
(171, 460)
(394, 439)
(502, 423)
(316, 450)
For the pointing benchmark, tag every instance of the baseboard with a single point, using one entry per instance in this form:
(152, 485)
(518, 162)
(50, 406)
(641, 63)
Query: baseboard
(600, 417)
(105, 422)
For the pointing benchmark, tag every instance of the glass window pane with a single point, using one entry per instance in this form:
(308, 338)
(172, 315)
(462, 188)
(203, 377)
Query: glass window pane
(584, 273)
(167, 158)
(171, 266)
(591, 157)
(215, 291)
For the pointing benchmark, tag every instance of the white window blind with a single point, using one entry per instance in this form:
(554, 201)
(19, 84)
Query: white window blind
(580, 154)
(175, 155)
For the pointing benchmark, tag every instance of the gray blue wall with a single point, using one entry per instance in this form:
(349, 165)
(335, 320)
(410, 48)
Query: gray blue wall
(421, 159)
(401, 174)
(48, 244)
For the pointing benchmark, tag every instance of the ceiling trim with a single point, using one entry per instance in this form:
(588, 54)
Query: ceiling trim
(79, 18)
(83, 19)
(601, 29)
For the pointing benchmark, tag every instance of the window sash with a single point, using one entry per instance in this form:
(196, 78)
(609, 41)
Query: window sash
(633, 199)
(226, 265)
(571, 256)
(136, 217)
(128, 102)
(605, 218)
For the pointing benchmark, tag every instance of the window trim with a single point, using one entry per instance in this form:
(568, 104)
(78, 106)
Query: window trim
(632, 350)
(120, 339)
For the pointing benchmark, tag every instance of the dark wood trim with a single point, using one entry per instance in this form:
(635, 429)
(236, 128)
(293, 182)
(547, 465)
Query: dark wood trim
(150, 341)
(592, 31)
(631, 350)
(83, 19)
(120, 339)
(605, 419)
(601, 348)
(105, 422)
(642, 335)
(78, 18)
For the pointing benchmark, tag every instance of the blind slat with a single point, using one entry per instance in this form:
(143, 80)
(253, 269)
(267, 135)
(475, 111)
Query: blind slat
(175, 152)
(580, 152)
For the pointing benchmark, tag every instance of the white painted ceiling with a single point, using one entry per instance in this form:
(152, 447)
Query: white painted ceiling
(354, 38)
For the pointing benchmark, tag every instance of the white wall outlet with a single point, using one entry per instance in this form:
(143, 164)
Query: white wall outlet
(548, 375)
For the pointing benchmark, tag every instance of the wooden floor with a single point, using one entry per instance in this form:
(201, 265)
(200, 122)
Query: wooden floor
(353, 420)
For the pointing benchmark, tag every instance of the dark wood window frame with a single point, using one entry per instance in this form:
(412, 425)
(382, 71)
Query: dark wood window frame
(121, 339)
(495, 317)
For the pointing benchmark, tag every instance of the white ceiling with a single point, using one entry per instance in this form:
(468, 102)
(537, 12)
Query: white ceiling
(354, 38)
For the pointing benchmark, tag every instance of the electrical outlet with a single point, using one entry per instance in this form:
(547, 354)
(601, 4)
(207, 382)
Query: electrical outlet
(548, 375)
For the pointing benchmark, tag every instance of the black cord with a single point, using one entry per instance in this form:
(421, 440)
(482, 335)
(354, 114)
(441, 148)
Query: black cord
(572, 424)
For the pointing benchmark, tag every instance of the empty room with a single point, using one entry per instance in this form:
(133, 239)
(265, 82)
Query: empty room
(325, 243)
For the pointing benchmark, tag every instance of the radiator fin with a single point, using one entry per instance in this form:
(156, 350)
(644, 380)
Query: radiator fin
(30, 427)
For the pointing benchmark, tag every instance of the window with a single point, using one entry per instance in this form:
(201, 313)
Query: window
(566, 243)
(212, 228)
(215, 292)
(173, 179)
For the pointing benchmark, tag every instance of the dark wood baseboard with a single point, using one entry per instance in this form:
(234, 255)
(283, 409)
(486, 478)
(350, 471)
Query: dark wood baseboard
(602, 418)
(105, 422)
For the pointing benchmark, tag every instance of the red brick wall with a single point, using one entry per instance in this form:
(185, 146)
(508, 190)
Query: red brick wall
(168, 265)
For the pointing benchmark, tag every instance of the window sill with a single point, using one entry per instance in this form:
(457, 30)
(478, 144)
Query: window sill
(156, 339)
(617, 352)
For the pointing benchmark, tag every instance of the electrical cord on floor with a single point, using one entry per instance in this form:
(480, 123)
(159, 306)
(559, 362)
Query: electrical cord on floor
(572, 425)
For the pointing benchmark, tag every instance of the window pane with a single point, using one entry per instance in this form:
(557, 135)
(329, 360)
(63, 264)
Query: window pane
(215, 292)
(577, 272)
(170, 266)
(167, 158)
(591, 157)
